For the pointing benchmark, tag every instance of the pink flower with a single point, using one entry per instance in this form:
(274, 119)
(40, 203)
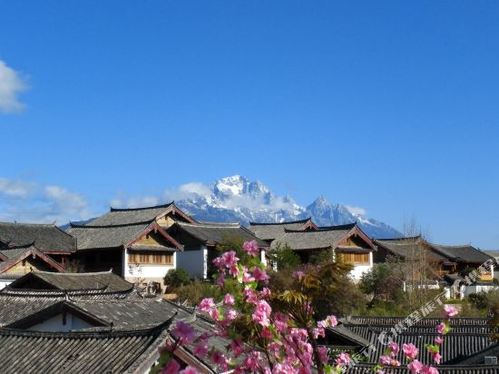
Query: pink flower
(250, 295)
(437, 358)
(410, 351)
(252, 362)
(228, 299)
(262, 313)
(219, 359)
(323, 354)
(189, 370)
(394, 348)
(281, 322)
(260, 275)
(441, 328)
(201, 350)
(429, 370)
(184, 332)
(439, 340)
(206, 305)
(236, 347)
(220, 279)
(395, 362)
(415, 367)
(264, 293)
(343, 359)
(385, 360)
(230, 315)
(251, 248)
(172, 367)
(298, 274)
(450, 311)
(330, 321)
(318, 331)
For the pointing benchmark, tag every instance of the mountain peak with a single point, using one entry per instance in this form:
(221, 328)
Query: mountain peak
(237, 198)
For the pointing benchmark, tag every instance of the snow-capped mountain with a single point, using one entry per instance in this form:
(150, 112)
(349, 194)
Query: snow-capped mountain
(238, 199)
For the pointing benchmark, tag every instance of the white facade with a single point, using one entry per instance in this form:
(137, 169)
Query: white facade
(359, 270)
(194, 261)
(5, 282)
(146, 272)
(477, 288)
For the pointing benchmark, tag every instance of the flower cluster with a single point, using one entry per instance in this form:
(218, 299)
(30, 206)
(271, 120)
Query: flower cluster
(411, 352)
(275, 341)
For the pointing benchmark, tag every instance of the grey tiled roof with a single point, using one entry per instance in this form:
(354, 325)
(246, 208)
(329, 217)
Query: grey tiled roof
(461, 253)
(105, 282)
(77, 352)
(45, 237)
(215, 233)
(18, 254)
(122, 216)
(129, 314)
(320, 239)
(445, 369)
(271, 231)
(90, 237)
(467, 337)
(408, 247)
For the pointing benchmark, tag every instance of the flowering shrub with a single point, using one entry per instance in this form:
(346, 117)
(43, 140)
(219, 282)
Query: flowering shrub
(270, 332)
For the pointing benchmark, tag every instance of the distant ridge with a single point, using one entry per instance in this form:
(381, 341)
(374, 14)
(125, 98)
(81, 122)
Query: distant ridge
(237, 198)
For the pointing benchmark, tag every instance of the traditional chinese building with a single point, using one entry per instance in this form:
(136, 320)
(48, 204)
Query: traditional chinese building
(48, 239)
(346, 242)
(202, 242)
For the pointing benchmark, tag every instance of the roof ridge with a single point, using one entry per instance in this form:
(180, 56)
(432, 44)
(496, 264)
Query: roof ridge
(401, 238)
(337, 227)
(88, 226)
(142, 208)
(211, 224)
(453, 245)
(27, 223)
(85, 334)
(279, 223)
(324, 229)
(86, 273)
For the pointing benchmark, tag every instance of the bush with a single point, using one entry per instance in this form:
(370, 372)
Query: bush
(176, 278)
(285, 258)
(194, 292)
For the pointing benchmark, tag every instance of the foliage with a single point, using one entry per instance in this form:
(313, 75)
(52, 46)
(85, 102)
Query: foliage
(278, 330)
(479, 300)
(284, 257)
(381, 283)
(195, 291)
(176, 278)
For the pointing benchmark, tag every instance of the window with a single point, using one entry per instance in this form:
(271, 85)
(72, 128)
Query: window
(151, 258)
(355, 258)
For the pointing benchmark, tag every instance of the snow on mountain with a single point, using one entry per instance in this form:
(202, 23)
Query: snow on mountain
(236, 198)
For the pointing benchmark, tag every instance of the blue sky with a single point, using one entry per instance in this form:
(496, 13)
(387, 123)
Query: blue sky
(390, 106)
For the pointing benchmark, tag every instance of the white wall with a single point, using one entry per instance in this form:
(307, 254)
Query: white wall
(359, 270)
(477, 288)
(5, 282)
(194, 261)
(154, 272)
(56, 324)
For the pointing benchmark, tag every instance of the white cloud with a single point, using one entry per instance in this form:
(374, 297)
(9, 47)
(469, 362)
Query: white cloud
(30, 202)
(11, 85)
(356, 211)
(15, 188)
(135, 202)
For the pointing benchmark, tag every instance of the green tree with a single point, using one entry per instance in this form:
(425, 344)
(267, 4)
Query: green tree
(176, 278)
